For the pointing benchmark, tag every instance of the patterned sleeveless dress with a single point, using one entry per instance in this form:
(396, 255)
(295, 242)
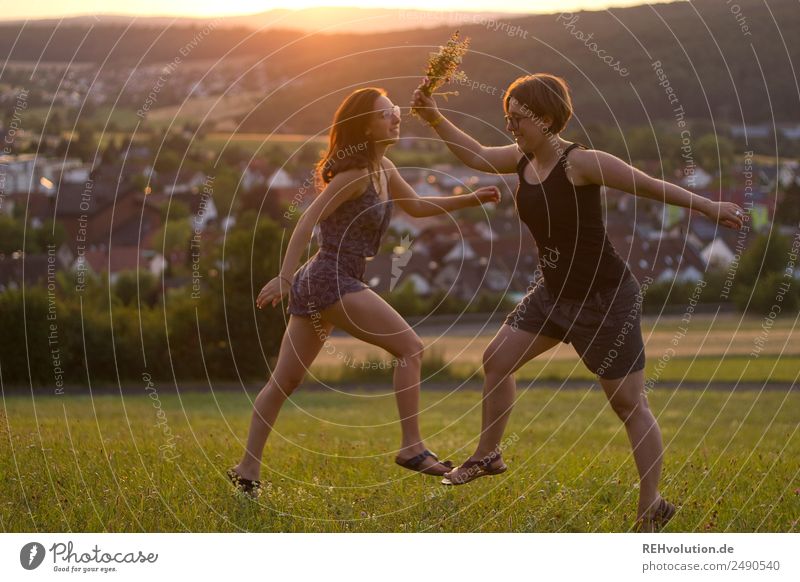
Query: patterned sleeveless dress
(346, 238)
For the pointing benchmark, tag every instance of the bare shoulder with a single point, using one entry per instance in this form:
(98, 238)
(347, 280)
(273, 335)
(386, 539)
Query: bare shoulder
(353, 178)
(352, 175)
(579, 166)
(582, 165)
(388, 165)
(391, 172)
(349, 183)
(584, 156)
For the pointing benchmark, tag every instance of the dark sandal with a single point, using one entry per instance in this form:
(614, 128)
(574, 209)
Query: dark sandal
(658, 518)
(474, 469)
(246, 486)
(414, 464)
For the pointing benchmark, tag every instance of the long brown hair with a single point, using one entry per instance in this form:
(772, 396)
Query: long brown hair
(349, 146)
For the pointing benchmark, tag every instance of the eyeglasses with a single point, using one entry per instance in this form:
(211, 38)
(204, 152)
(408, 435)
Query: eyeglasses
(513, 120)
(388, 113)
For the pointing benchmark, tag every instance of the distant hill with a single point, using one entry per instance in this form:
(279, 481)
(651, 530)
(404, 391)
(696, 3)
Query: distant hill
(722, 66)
(332, 19)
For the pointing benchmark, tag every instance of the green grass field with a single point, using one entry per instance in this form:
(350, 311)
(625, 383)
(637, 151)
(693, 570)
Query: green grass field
(108, 463)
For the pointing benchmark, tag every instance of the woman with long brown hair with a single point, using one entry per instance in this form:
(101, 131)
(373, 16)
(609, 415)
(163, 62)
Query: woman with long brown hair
(585, 294)
(359, 186)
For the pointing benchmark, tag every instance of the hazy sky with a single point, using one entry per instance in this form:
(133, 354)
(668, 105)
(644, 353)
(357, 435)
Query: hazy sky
(201, 8)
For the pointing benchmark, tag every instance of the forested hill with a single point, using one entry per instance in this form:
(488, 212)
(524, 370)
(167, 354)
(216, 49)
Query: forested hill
(733, 62)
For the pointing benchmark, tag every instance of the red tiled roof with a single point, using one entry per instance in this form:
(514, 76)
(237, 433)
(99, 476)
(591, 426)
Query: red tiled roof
(122, 258)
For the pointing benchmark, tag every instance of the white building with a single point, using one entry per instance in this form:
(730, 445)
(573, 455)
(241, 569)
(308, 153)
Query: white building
(717, 254)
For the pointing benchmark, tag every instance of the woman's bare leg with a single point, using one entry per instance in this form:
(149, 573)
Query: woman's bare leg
(627, 398)
(506, 353)
(366, 316)
(302, 341)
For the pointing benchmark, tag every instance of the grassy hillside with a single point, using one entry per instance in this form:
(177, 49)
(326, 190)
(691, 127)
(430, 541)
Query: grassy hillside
(107, 464)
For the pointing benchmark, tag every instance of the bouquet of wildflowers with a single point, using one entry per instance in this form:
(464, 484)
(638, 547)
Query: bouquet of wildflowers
(443, 66)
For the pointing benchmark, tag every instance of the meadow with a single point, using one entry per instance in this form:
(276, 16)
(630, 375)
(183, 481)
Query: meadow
(130, 463)
(153, 458)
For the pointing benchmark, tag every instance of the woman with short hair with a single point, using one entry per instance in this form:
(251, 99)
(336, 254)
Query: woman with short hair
(585, 294)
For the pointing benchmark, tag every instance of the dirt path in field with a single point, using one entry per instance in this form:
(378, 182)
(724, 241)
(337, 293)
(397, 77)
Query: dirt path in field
(455, 347)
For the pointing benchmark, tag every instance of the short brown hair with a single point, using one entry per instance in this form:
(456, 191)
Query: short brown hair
(545, 95)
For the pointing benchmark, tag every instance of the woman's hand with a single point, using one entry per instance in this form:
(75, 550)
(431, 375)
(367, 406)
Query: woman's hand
(273, 292)
(425, 106)
(488, 194)
(726, 213)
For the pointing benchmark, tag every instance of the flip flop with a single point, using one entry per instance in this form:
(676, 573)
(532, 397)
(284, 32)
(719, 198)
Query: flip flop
(658, 518)
(414, 464)
(251, 487)
(472, 469)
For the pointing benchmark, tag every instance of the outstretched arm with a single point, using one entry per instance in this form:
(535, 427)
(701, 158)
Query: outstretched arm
(342, 187)
(415, 205)
(494, 160)
(595, 167)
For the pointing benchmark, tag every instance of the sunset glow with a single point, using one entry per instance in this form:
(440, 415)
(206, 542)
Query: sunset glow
(206, 8)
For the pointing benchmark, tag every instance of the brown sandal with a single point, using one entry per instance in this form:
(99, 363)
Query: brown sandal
(472, 469)
(414, 464)
(657, 519)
